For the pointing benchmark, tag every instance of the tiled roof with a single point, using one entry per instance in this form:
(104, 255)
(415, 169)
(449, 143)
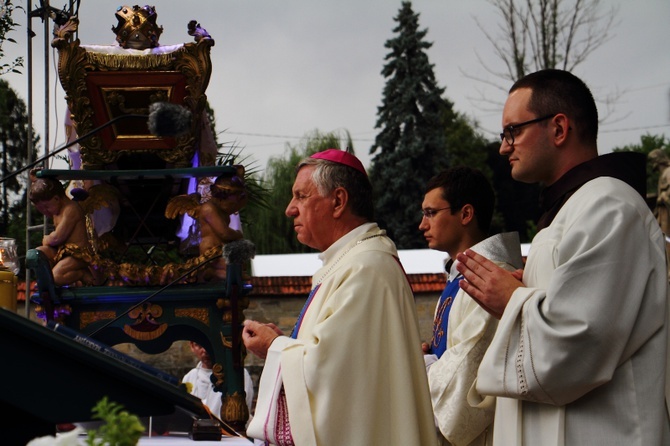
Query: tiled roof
(21, 290)
(292, 286)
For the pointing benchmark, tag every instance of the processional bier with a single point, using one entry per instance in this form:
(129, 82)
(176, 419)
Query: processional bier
(142, 298)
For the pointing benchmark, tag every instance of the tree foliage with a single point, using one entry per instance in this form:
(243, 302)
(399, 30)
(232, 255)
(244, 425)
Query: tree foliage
(13, 132)
(120, 427)
(464, 144)
(265, 223)
(7, 24)
(647, 144)
(410, 145)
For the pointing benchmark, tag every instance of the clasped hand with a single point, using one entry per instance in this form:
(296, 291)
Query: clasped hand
(487, 283)
(257, 337)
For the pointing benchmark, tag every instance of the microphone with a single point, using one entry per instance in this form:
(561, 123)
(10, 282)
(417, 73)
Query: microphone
(164, 120)
(168, 119)
(238, 252)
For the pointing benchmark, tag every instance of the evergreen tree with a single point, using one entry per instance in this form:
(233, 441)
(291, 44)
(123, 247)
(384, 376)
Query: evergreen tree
(410, 146)
(464, 144)
(265, 223)
(13, 131)
(468, 147)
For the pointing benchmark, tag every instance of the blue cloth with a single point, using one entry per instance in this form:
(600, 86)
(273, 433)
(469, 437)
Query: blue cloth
(439, 343)
(298, 323)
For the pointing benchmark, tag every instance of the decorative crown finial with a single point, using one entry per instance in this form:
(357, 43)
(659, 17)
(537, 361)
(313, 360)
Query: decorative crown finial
(137, 28)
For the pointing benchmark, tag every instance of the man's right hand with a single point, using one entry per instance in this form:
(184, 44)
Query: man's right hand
(258, 337)
(487, 283)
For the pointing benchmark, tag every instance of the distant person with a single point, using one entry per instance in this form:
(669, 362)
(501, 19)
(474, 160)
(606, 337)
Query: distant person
(351, 372)
(200, 379)
(580, 354)
(457, 210)
(67, 247)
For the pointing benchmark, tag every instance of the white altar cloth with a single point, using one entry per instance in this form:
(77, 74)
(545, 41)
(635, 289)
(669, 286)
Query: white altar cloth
(186, 441)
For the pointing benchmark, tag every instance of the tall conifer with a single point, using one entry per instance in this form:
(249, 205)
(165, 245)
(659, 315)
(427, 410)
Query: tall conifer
(410, 144)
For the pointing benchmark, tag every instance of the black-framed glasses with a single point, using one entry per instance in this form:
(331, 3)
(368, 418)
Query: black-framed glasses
(430, 213)
(511, 130)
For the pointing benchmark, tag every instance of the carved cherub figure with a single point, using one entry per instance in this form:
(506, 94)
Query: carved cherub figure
(67, 247)
(228, 195)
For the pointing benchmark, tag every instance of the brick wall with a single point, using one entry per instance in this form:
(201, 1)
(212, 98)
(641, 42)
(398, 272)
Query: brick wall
(284, 310)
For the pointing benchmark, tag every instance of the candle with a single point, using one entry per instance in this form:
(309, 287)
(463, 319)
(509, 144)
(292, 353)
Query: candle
(7, 289)
(8, 268)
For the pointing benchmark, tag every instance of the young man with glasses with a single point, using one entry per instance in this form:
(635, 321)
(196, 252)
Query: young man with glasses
(580, 352)
(457, 211)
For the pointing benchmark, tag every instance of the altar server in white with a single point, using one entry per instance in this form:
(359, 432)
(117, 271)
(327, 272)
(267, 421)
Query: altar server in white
(457, 211)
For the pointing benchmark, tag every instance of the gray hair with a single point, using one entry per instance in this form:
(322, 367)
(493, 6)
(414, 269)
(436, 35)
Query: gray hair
(329, 175)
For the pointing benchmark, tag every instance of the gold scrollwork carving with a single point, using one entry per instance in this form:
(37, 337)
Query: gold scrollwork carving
(88, 317)
(145, 327)
(192, 60)
(199, 314)
(227, 341)
(219, 376)
(145, 335)
(234, 408)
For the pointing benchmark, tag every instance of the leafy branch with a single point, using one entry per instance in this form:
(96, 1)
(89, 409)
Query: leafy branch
(120, 429)
(7, 24)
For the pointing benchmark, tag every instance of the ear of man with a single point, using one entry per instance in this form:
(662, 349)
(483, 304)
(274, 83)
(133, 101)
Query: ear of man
(340, 201)
(467, 214)
(561, 129)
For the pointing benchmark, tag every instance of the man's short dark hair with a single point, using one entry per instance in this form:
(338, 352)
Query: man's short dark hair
(466, 185)
(559, 91)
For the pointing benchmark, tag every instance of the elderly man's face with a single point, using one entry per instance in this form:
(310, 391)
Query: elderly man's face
(311, 213)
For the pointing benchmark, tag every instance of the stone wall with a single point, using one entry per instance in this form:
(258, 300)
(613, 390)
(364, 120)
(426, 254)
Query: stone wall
(283, 311)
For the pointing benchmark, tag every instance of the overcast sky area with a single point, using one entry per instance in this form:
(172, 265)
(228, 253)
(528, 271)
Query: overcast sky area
(282, 69)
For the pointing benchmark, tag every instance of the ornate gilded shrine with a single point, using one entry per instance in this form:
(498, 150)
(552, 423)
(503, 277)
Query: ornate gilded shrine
(150, 282)
(102, 82)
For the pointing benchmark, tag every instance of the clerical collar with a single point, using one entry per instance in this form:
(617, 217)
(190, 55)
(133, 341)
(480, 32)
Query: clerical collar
(329, 253)
(450, 269)
(629, 167)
